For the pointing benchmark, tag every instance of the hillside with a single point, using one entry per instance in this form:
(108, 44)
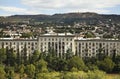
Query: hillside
(64, 18)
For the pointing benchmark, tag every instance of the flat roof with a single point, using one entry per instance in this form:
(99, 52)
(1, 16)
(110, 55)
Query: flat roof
(9, 39)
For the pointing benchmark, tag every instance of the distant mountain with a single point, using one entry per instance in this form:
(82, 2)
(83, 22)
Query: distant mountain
(64, 18)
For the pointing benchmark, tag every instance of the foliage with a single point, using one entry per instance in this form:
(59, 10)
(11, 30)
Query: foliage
(35, 56)
(89, 35)
(2, 55)
(107, 65)
(49, 66)
(11, 57)
(21, 70)
(2, 72)
(117, 64)
(69, 54)
(9, 72)
(96, 74)
(41, 66)
(76, 62)
(27, 35)
(30, 70)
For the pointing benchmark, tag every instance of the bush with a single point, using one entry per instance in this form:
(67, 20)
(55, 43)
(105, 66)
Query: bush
(96, 74)
(50, 75)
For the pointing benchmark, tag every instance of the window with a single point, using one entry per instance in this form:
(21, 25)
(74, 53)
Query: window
(28, 46)
(96, 43)
(93, 45)
(82, 43)
(89, 43)
(6, 43)
(44, 39)
(28, 43)
(67, 39)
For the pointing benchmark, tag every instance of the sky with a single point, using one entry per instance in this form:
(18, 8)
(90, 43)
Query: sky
(33, 7)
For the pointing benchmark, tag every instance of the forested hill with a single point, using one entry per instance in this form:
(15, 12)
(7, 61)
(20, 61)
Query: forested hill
(65, 18)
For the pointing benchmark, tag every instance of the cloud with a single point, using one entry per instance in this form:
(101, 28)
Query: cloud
(72, 5)
(10, 10)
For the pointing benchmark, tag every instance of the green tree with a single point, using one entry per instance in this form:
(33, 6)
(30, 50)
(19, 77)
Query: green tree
(89, 35)
(35, 56)
(11, 57)
(18, 58)
(108, 35)
(107, 64)
(27, 35)
(9, 72)
(101, 53)
(69, 54)
(43, 55)
(76, 62)
(30, 70)
(24, 57)
(2, 72)
(1, 33)
(41, 66)
(62, 64)
(117, 64)
(59, 64)
(2, 55)
(21, 70)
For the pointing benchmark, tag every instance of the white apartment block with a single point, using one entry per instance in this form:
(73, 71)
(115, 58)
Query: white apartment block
(61, 42)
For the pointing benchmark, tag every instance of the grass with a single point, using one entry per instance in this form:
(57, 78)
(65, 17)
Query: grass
(113, 76)
(73, 75)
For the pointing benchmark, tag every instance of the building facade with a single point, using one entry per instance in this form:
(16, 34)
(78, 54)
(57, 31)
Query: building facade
(60, 43)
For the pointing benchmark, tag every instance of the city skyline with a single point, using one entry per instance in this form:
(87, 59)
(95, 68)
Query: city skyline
(27, 7)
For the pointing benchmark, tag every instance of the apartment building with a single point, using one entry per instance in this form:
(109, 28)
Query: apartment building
(61, 42)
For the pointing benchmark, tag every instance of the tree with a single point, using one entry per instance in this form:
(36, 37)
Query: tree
(9, 72)
(89, 35)
(107, 64)
(11, 57)
(43, 55)
(1, 33)
(107, 35)
(117, 64)
(18, 58)
(2, 55)
(62, 64)
(21, 70)
(69, 54)
(35, 56)
(41, 66)
(30, 70)
(76, 62)
(27, 35)
(2, 72)
(101, 54)
(24, 56)
(59, 64)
